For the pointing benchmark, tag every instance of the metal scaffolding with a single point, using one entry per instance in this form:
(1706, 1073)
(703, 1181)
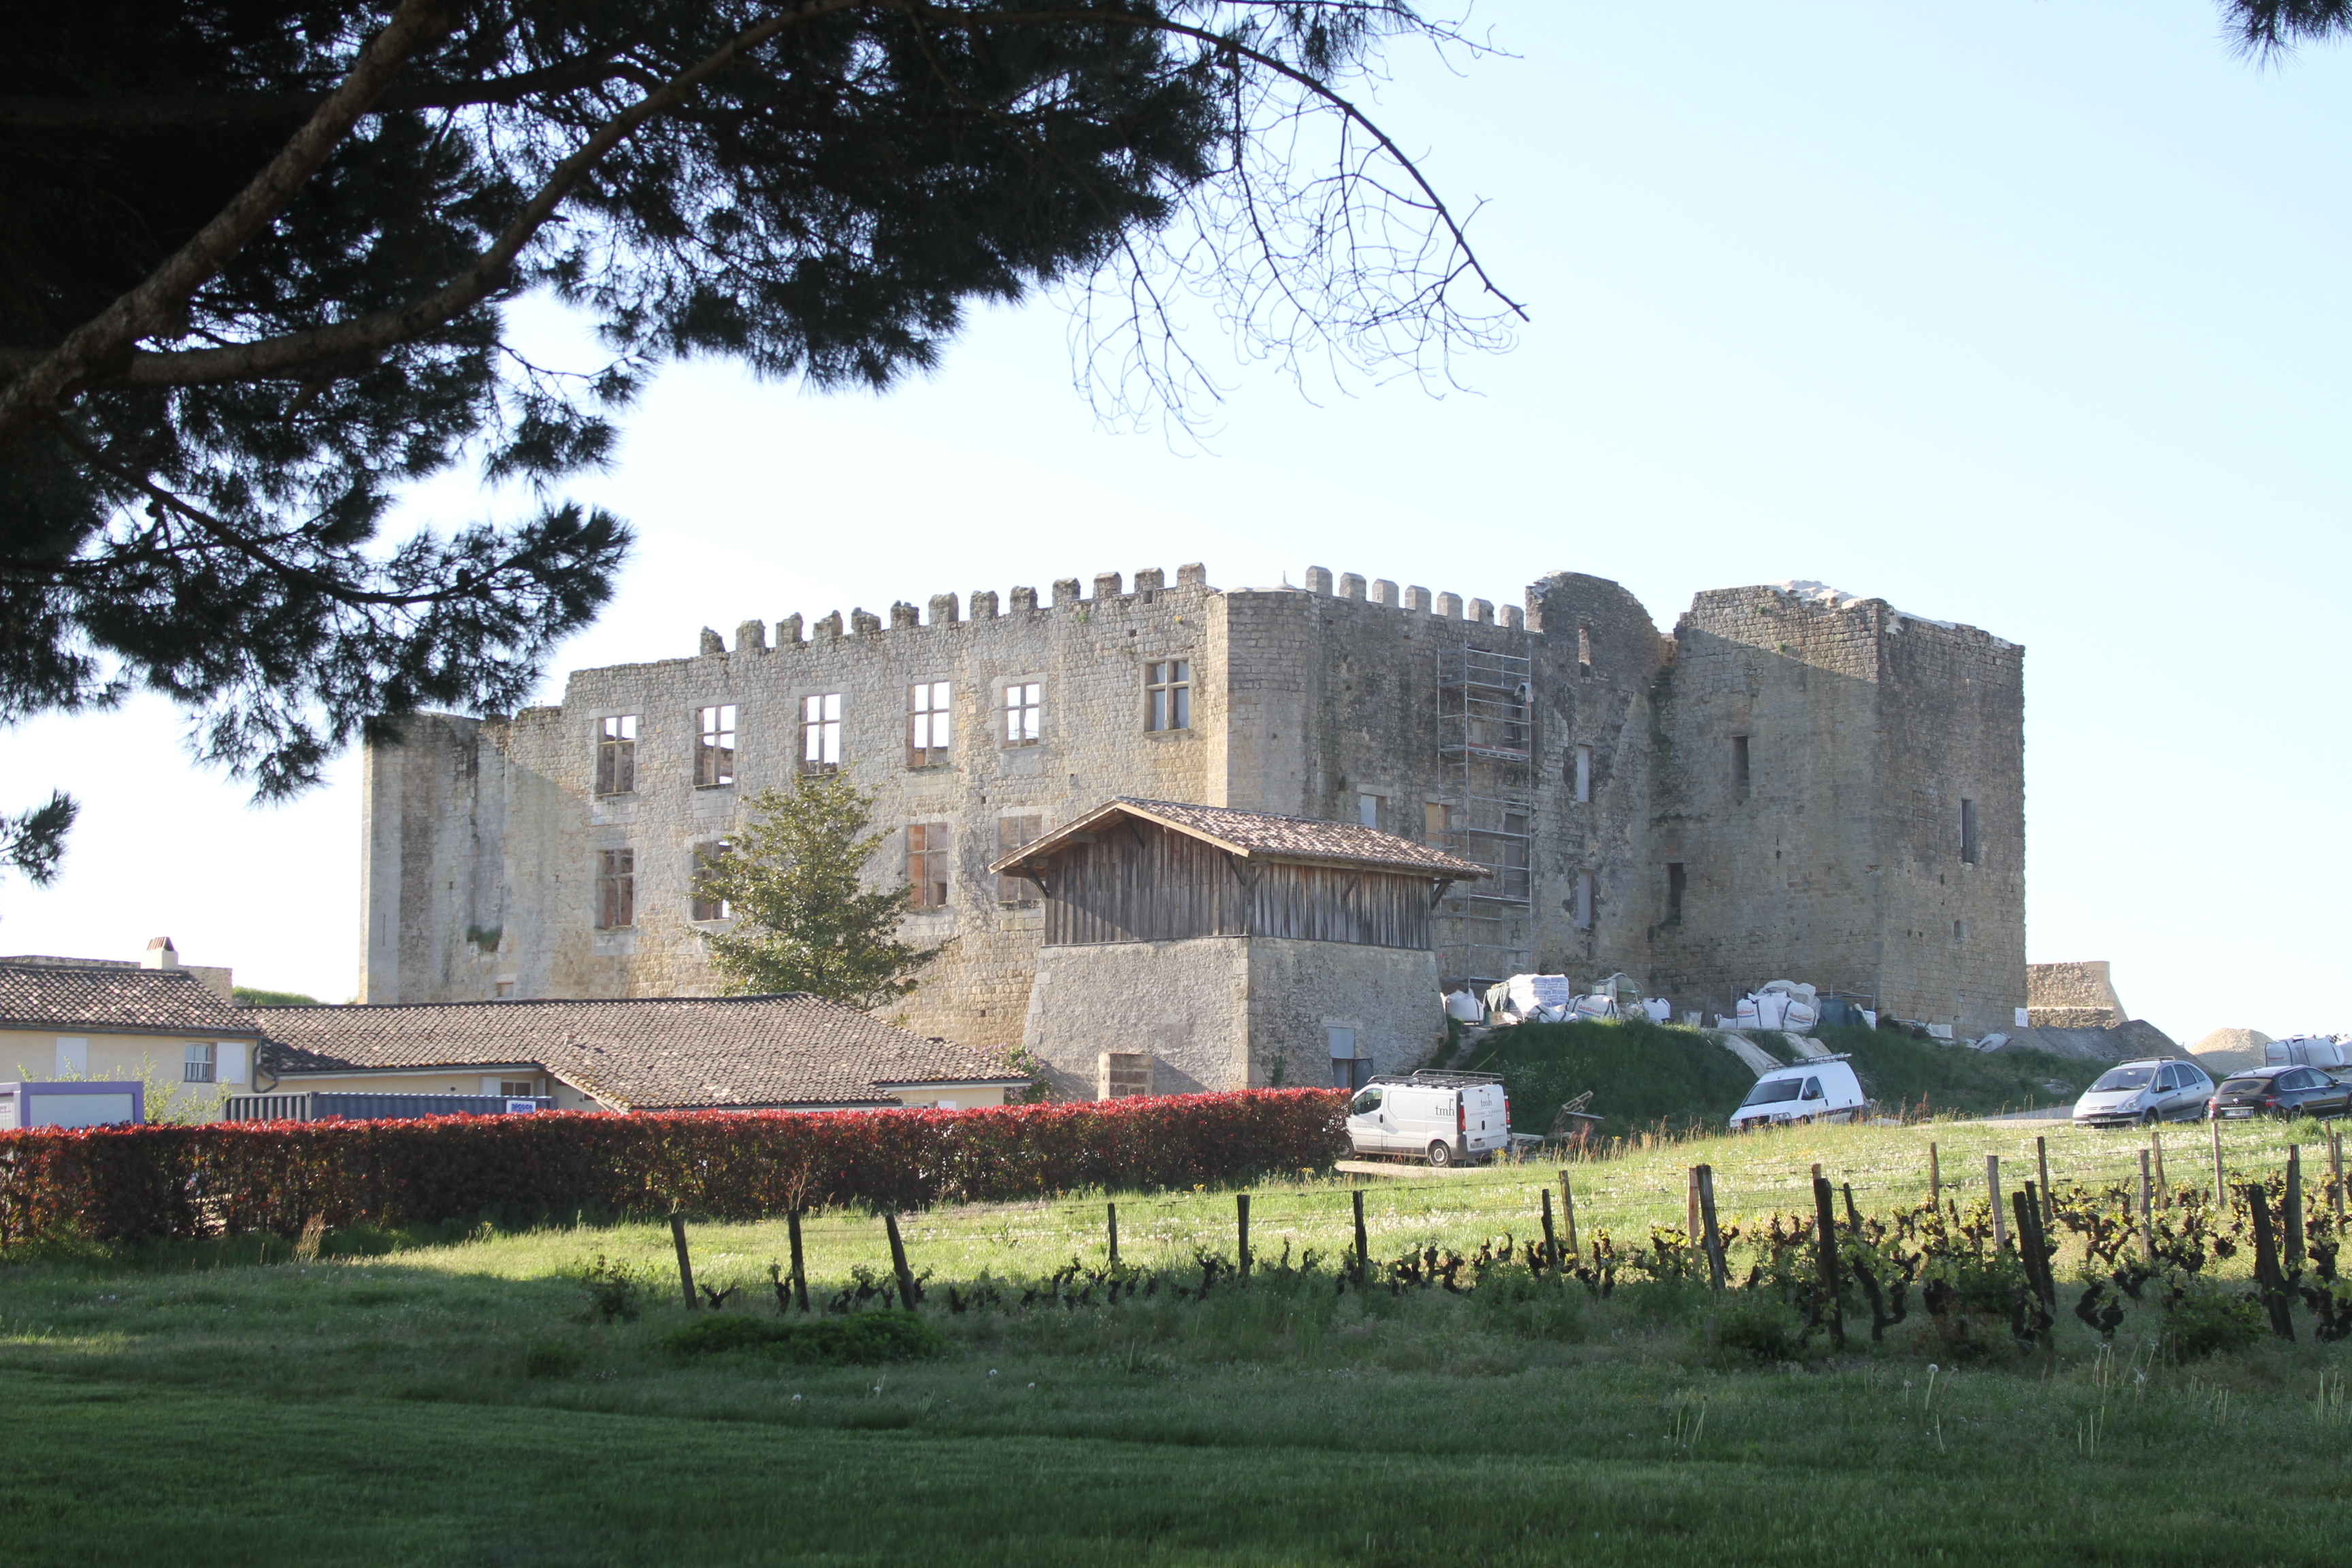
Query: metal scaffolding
(1486, 735)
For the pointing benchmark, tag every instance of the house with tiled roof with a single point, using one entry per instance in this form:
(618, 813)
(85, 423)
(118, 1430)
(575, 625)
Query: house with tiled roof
(1200, 947)
(793, 1052)
(115, 1020)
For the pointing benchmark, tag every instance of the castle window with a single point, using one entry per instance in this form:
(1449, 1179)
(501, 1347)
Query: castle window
(503, 990)
(1437, 820)
(927, 723)
(1167, 694)
(1675, 882)
(1012, 833)
(617, 888)
(616, 754)
(1969, 846)
(1368, 809)
(1959, 931)
(707, 857)
(1579, 772)
(1582, 911)
(1740, 765)
(927, 852)
(198, 1062)
(714, 755)
(821, 734)
(1584, 648)
(1515, 844)
(1023, 707)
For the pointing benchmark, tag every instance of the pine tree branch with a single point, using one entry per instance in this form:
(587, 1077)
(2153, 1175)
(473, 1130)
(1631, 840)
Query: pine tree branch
(107, 337)
(237, 108)
(365, 337)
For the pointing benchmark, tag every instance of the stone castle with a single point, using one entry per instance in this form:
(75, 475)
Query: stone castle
(1794, 783)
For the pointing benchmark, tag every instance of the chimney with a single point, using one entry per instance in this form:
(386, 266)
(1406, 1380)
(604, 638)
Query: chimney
(161, 954)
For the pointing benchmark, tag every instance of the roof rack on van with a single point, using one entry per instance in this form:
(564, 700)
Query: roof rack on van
(1440, 1080)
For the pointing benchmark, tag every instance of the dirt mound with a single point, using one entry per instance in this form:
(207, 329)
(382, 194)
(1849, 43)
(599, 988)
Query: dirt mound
(2228, 1050)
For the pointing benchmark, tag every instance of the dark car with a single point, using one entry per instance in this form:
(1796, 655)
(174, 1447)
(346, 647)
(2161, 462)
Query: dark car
(2281, 1091)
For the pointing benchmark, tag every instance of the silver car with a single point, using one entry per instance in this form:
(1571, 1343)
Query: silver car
(2141, 1094)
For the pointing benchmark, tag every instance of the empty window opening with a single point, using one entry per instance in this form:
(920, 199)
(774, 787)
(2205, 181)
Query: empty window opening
(1167, 694)
(1580, 912)
(1584, 648)
(617, 888)
(1012, 833)
(1348, 1070)
(616, 754)
(821, 734)
(199, 1062)
(1969, 847)
(714, 753)
(928, 845)
(1579, 772)
(503, 990)
(1739, 763)
(1675, 882)
(707, 857)
(1368, 809)
(1023, 707)
(1959, 931)
(1516, 846)
(928, 723)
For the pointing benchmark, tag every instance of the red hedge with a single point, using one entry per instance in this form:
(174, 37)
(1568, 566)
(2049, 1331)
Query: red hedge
(126, 1183)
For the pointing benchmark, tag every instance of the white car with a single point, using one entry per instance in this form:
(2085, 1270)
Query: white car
(1446, 1118)
(2141, 1094)
(1823, 1089)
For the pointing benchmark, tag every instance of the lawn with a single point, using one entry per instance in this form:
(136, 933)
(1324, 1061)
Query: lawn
(435, 1398)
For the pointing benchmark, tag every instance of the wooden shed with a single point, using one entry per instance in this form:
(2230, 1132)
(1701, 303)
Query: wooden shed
(1155, 871)
(1248, 917)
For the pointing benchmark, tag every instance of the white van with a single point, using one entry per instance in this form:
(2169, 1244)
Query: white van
(1823, 1089)
(2329, 1054)
(1446, 1118)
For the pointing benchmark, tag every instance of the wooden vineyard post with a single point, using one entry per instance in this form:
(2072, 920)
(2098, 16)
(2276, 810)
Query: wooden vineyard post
(2335, 1172)
(1551, 1241)
(685, 1264)
(1363, 1241)
(898, 1261)
(1825, 1233)
(1992, 1187)
(2291, 1247)
(1703, 1179)
(1935, 1178)
(1110, 1215)
(799, 1266)
(2221, 1192)
(2147, 1218)
(1690, 1204)
(2266, 1265)
(1241, 1223)
(2034, 1246)
(1567, 1206)
(2042, 1164)
(2156, 1147)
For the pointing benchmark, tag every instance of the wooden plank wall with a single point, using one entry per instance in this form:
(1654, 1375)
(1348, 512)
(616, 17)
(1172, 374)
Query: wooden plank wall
(1148, 884)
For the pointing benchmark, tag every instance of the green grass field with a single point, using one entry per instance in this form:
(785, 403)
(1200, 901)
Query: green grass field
(432, 1398)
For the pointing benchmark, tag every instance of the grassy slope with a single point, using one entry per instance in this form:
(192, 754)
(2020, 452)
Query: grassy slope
(178, 1404)
(1645, 1074)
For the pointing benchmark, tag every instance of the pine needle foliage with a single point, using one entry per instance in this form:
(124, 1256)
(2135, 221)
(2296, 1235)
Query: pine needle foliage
(802, 918)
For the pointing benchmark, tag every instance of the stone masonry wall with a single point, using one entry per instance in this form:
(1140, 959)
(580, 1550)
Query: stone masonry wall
(1838, 864)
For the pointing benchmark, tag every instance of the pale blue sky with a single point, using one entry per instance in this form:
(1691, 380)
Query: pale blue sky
(2030, 315)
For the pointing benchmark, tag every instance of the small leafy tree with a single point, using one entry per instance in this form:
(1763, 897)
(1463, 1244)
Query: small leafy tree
(803, 919)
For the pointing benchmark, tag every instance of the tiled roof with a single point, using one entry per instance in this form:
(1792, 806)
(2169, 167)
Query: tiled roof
(105, 996)
(1263, 835)
(640, 1052)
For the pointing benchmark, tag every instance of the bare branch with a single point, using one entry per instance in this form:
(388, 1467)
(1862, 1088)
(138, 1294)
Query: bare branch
(235, 108)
